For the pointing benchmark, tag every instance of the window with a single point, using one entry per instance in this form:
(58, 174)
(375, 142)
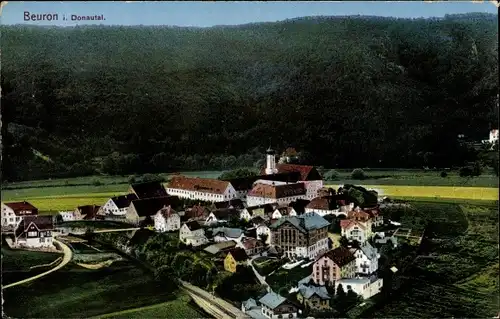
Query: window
(32, 233)
(290, 316)
(42, 240)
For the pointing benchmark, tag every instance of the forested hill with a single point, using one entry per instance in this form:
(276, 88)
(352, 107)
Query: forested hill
(345, 92)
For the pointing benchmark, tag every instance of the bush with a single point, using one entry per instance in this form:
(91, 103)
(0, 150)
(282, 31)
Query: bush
(465, 171)
(97, 182)
(444, 174)
(331, 175)
(358, 173)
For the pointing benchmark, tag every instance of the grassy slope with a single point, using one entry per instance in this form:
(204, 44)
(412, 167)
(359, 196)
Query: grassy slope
(178, 308)
(462, 281)
(75, 292)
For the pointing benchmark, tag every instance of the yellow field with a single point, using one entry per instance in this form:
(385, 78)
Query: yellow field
(65, 203)
(476, 193)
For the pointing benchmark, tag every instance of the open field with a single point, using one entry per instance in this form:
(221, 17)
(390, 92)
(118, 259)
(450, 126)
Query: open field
(475, 193)
(178, 308)
(76, 292)
(458, 275)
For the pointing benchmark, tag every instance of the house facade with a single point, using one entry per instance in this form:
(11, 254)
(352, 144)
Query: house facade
(283, 211)
(263, 229)
(354, 230)
(166, 219)
(329, 205)
(314, 297)
(304, 236)
(266, 192)
(204, 189)
(334, 265)
(35, 232)
(252, 246)
(276, 307)
(364, 287)
(221, 216)
(70, 216)
(222, 234)
(366, 259)
(191, 233)
(234, 257)
(118, 205)
(140, 209)
(13, 213)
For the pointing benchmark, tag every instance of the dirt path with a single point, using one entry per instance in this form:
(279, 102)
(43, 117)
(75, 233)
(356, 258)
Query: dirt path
(68, 254)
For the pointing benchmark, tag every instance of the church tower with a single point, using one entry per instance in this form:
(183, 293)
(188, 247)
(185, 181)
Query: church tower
(270, 162)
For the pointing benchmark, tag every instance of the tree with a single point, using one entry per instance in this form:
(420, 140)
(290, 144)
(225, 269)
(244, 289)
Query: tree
(465, 171)
(358, 173)
(340, 293)
(331, 175)
(443, 174)
(237, 173)
(343, 241)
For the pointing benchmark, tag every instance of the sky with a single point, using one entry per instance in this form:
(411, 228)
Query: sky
(206, 14)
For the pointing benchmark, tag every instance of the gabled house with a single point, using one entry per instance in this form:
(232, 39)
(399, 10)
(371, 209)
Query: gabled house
(221, 216)
(204, 189)
(252, 246)
(117, 205)
(375, 214)
(366, 259)
(362, 217)
(283, 211)
(364, 287)
(314, 297)
(221, 234)
(68, 216)
(13, 213)
(276, 306)
(299, 205)
(88, 212)
(334, 265)
(265, 211)
(140, 209)
(326, 205)
(166, 219)
(354, 230)
(191, 233)
(35, 232)
(234, 257)
(266, 192)
(197, 212)
(263, 229)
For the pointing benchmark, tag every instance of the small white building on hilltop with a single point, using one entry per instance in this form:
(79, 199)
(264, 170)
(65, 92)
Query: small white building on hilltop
(204, 189)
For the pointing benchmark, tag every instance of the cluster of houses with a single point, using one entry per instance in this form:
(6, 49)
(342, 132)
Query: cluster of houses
(285, 206)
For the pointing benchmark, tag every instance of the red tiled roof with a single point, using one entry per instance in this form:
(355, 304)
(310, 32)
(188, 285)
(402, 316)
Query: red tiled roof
(204, 185)
(88, 211)
(323, 203)
(277, 191)
(304, 170)
(348, 223)
(196, 212)
(166, 212)
(341, 256)
(251, 243)
(19, 207)
(358, 215)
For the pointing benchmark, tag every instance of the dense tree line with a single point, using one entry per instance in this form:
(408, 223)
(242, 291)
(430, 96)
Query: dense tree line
(345, 92)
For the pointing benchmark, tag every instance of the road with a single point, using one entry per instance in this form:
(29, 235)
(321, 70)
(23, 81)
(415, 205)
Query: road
(217, 305)
(68, 254)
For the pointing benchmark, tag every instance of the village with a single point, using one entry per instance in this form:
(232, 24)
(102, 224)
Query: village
(284, 215)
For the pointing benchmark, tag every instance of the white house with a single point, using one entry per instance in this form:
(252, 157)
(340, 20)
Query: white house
(275, 306)
(366, 259)
(283, 211)
(35, 232)
(264, 229)
(204, 189)
(365, 287)
(191, 233)
(166, 219)
(70, 215)
(353, 230)
(376, 216)
(117, 205)
(364, 218)
(493, 136)
(281, 193)
(263, 211)
(221, 216)
(13, 213)
(222, 234)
